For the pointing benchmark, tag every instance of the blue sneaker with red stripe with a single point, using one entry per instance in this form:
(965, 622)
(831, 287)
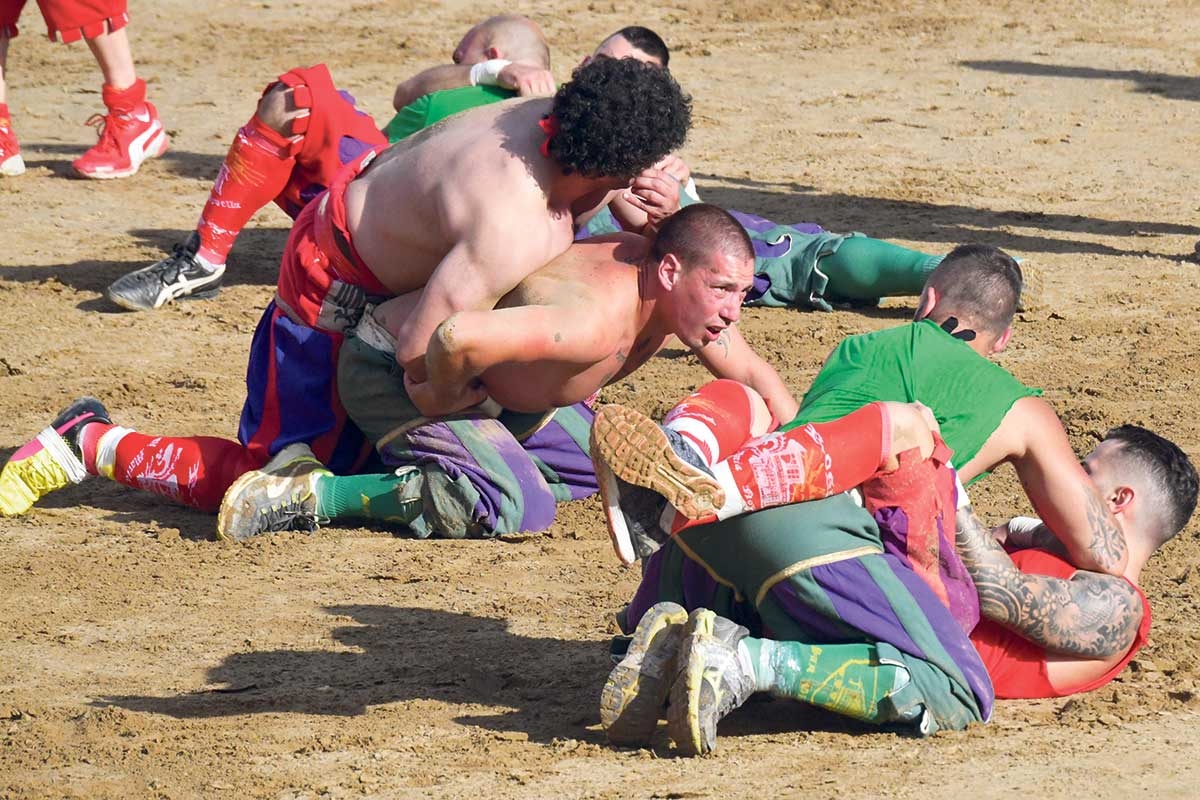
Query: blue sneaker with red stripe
(51, 460)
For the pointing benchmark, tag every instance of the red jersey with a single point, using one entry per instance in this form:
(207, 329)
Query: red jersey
(1017, 665)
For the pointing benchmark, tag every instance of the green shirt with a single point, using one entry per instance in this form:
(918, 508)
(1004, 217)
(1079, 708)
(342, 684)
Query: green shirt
(968, 394)
(426, 110)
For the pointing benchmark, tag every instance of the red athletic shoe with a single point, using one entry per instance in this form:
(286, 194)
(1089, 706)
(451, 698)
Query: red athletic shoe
(11, 162)
(126, 140)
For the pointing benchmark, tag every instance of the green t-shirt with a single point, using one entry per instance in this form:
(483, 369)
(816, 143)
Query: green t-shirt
(969, 394)
(426, 110)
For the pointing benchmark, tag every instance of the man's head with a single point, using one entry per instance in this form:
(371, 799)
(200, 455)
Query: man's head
(1149, 483)
(615, 118)
(508, 36)
(979, 286)
(636, 42)
(703, 263)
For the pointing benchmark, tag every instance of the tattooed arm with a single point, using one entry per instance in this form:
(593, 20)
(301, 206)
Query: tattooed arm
(1089, 616)
(1032, 439)
(730, 356)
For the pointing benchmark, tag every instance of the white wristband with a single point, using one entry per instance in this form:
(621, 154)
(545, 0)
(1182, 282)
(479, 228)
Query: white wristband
(487, 73)
(1023, 524)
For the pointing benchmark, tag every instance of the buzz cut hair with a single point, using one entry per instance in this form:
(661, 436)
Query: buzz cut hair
(694, 233)
(979, 283)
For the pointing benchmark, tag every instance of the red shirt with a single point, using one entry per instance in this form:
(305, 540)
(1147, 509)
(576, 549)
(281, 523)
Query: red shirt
(1017, 665)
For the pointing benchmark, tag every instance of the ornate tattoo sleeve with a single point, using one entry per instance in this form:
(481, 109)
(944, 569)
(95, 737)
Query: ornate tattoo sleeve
(1091, 615)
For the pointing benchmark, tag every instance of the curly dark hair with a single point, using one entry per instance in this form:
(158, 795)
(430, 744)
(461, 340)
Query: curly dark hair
(616, 117)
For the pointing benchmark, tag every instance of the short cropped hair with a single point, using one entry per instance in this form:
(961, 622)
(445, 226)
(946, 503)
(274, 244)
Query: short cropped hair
(616, 117)
(980, 283)
(694, 233)
(1166, 468)
(648, 42)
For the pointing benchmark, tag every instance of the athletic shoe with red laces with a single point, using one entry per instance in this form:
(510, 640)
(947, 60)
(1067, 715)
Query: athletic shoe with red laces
(11, 163)
(126, 140)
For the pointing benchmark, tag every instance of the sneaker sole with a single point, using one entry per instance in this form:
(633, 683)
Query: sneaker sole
(232, 517)
(155, 147)
(618, 531)
(636, 689)
(637, 451)
(683, 713)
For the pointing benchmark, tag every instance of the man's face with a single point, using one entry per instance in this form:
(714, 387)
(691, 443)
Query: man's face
(707, 298)
(473, 47)
(617, 46)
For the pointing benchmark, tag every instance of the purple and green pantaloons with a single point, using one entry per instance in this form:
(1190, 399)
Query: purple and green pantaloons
(818, 573)
(480, 476)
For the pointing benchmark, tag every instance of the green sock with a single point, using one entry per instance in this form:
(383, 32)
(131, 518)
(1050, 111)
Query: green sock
(844, 678)
(866, 269)
(375, 497)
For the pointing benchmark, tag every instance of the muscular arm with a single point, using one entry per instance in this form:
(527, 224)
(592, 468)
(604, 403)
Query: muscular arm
(470, 342)
(731, 357)
(488, 261)
(1032, 439)
(1089, 616)
(434, 79)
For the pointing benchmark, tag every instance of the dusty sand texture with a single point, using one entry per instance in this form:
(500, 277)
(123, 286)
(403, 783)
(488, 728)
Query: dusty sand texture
(140, 659)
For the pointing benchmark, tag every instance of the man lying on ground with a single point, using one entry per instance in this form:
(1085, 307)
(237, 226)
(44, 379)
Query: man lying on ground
(418, 219)
(1049, 630)
(986, 417)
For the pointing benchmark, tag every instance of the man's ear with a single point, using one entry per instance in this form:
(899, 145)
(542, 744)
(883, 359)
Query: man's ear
(1002, 342)
(1120, 497)
(926, 302)
(493, 52)
(670, 268)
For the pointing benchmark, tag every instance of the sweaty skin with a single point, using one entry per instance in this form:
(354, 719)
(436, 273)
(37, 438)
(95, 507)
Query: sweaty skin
(591, 317)
(424, 215)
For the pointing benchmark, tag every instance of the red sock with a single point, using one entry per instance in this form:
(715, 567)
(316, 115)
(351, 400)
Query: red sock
(808, 462)
(195, 471)
(256, 170)
(716, 419)
(125, 101)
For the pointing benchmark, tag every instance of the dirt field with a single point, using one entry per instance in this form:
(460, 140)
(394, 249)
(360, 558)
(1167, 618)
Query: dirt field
(138, 658)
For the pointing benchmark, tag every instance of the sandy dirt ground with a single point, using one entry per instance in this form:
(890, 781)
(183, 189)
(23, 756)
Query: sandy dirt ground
(139, 658)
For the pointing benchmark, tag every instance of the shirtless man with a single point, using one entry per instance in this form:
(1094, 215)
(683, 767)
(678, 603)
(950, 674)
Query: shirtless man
(590, 317)
(417, 219)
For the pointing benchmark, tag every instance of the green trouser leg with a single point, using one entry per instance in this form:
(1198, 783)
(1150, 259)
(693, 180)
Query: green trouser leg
(866, 269)
(848, 679)
(374, 497)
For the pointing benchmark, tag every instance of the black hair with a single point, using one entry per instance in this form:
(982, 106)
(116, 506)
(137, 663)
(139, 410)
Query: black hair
(696, 232)
(616, 117)
(1167, 468)
(648, 42)
(979, 283)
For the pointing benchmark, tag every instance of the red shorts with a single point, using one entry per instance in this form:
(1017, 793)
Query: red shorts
(291, 379)
(69, 20)
(335, 132)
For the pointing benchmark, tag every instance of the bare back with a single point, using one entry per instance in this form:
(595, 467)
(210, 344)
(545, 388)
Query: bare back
(474, 181)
